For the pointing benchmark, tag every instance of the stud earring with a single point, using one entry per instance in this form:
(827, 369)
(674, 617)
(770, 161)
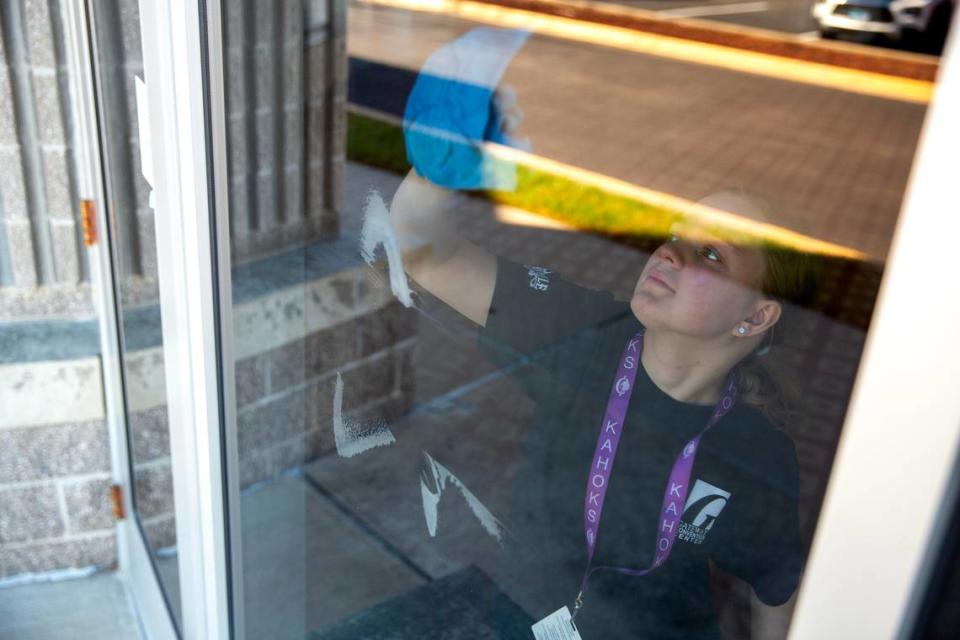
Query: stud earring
(742, 330)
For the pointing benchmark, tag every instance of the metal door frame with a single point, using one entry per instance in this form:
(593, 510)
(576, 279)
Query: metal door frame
(175, 65)
(134, 557)
(882, 520)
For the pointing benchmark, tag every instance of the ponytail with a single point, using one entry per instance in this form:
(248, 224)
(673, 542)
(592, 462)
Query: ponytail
(793, 278)
(761, 390)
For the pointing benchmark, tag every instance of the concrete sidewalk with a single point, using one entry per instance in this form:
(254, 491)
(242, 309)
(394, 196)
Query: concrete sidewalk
(92, 608)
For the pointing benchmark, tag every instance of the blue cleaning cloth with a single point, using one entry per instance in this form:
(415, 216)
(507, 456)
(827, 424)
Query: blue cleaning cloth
(451, 111)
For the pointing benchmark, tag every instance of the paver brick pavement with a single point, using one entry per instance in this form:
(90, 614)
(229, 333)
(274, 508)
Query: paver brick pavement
(832, 164)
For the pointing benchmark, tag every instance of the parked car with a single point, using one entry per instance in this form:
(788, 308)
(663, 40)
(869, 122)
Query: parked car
(924, 22)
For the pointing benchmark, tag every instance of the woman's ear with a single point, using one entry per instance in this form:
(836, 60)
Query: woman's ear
(766, 313)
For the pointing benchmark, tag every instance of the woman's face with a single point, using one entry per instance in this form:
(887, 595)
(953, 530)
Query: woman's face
(698, 285)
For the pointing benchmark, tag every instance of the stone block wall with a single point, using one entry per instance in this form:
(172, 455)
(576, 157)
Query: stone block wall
(116, 33)
(54, 492)
(286, 101)
(286, 119)
(55, 463)
(44, 272)
(149, 433)
(292, 345)
(286, 85)
(43, 267)
(293, 337)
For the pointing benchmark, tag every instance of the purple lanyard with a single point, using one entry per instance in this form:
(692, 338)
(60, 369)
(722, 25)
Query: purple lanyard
(675, 496)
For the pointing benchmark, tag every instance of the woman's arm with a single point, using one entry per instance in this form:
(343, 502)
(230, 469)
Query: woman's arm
(731, 597)
(770, 623)
(457, 271)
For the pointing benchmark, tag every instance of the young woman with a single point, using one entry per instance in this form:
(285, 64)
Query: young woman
(678, 359)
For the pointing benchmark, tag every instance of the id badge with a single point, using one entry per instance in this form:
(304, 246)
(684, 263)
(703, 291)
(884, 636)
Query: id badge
(556, 626)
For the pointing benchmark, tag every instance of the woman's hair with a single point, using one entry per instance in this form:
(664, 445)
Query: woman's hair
(791, 277)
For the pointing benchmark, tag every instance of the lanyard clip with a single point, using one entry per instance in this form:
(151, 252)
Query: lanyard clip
(577, 604)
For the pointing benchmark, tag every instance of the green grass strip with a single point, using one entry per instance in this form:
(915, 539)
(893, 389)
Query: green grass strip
(376, 143)
(380, 144)
(584, 206)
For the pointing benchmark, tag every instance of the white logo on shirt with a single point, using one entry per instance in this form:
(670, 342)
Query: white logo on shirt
(703, 507)
(539, 277)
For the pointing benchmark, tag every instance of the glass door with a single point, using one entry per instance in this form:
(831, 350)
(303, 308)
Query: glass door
(409, 252)
(130, 235)
(471, 252)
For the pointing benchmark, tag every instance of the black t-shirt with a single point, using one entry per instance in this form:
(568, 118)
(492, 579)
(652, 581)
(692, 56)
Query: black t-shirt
(741, 508)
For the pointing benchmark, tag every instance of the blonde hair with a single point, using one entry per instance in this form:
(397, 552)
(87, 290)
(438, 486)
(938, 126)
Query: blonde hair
(792, 278)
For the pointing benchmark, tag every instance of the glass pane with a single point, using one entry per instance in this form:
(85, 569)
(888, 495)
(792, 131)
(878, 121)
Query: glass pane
(939, 611)
(119, 64)
(492, 283)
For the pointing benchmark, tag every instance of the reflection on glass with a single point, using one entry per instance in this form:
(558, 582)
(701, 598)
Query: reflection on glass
(490, 285)
(133, 241)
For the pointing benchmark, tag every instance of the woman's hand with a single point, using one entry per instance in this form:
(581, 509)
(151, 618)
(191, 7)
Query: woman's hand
(511, 115)
(457, 271)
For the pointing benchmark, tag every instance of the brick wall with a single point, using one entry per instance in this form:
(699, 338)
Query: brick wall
(54, 497)
(291, 341)
(38, 218)
(285, 123)
(286, 96)
(285, 393)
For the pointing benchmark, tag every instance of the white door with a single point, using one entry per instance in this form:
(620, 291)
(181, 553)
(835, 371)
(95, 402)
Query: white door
(104, 52)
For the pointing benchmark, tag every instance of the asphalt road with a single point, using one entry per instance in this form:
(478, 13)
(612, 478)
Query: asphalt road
(787, 16)
(790, 16)
(830, 163)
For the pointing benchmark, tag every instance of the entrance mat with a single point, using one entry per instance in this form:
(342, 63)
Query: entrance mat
(465, 605)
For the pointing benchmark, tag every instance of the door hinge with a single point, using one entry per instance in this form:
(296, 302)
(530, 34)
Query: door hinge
(116, 497)
(88, 216)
